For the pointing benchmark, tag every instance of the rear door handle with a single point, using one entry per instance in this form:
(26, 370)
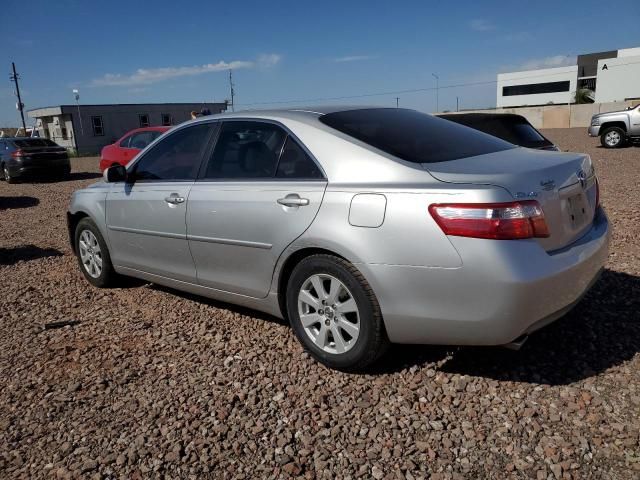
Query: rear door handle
(293, 201)
(174, 199)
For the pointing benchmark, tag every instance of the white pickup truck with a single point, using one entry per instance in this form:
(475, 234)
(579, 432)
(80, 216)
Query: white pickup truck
(616, 128)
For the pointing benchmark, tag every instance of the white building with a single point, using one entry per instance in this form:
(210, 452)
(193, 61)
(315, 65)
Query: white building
(609, 76)
(537, 87)
(619, 78)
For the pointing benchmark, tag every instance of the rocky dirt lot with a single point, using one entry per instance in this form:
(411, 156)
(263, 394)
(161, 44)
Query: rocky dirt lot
(153, 383)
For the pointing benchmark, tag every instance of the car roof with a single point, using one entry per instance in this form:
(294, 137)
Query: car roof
(309, 115)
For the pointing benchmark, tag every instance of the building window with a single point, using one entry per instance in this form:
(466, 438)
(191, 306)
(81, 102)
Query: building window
(65, 134)
(144, 120)
(535, 88)
(166, 120)
(98, 126)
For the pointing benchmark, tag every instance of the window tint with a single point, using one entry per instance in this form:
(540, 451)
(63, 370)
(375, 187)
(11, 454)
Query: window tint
(142, 139)
(295, 163)
(246, 150)
(413, 136)
(177, 157)
(34, 142)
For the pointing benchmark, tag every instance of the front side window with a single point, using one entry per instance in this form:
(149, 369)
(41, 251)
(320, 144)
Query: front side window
(98, 127)
(413, 136)
(144, 120)
(295, 163)
(175, 158)
(246, 150)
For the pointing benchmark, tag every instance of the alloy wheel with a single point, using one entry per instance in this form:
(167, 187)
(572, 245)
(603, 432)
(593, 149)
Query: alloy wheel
(329, 313)
(612, 138)
(90, 253)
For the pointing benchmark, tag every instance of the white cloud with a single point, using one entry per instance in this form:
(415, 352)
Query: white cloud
(353, 58)
(481, 25)
(147, 76)
(546, 62)
(269, 60)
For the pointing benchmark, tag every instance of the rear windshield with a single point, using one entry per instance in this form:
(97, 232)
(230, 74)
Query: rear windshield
(516, 130)
(34, 142)
(413, 136)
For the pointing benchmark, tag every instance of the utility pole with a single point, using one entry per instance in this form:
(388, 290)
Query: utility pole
(437, 91)
(397, 101)
(232, 90)
(76, 95)
(14, 78)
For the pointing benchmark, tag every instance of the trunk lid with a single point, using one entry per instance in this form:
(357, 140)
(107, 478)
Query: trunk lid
(563, 183)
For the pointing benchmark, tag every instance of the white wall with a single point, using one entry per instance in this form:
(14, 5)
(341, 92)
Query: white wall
(537, 76)
(629, 52)
(619, 81)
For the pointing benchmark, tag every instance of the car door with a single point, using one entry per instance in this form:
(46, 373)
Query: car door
(258, 192)
(146, 215)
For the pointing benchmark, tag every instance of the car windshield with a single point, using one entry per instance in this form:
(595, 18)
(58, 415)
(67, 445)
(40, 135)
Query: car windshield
(34, 142)
(413, 136)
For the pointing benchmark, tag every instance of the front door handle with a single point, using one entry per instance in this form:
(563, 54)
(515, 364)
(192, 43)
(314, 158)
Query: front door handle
(293, 200)
(174, 199)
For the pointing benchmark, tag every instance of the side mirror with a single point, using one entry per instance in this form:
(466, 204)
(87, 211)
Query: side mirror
(116, 173)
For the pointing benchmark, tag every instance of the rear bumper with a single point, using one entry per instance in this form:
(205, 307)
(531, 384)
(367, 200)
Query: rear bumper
(503, 290)
(24, 168)
(594, 131)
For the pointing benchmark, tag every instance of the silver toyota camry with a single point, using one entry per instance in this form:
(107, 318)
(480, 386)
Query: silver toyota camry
(362, 226)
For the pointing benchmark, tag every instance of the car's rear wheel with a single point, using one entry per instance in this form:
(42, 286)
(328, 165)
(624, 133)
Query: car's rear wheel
(335, 314)
(612, 137)
(6, 174)
(93, 255)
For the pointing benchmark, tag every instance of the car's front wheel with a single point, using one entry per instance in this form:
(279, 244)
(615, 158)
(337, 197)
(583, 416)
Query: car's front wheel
(335, 314)
(612, 137)
(93, 255)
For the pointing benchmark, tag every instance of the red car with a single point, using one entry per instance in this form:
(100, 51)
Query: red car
(122, 151)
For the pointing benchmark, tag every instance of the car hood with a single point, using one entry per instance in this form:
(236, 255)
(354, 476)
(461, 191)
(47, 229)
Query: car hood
(605, 114)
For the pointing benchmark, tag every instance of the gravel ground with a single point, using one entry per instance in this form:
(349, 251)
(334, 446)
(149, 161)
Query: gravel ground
(154, 383)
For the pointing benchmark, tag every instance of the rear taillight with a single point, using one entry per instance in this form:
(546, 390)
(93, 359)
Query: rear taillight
(17, 154)
(498, 221)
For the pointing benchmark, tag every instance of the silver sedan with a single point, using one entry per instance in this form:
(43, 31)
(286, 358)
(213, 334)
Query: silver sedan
(362, 226)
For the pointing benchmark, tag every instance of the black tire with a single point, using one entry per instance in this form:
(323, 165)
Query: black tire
(107, 277)
(371, 342)
(610, 134)
(7, 175)
(66, 173)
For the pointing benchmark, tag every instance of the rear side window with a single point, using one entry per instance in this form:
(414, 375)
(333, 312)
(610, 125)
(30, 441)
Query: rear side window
(125, 143)
(295, 163)
(142, 139)
(246, 150)
(413, 136)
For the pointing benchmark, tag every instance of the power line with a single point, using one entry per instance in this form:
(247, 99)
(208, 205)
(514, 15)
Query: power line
(412, 90)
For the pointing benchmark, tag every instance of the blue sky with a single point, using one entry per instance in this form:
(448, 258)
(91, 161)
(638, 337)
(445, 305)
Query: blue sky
(168, 51)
